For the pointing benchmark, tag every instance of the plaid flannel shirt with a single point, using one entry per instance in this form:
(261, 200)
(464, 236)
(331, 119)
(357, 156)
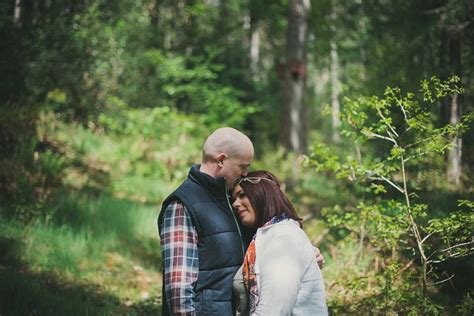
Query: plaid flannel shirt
(180, 255)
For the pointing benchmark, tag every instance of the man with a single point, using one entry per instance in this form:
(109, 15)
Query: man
(202, 243)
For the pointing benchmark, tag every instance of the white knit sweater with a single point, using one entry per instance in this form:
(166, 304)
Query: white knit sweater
(288, 277)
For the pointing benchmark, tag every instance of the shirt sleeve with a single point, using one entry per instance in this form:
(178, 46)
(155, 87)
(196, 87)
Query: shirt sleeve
(179, 248)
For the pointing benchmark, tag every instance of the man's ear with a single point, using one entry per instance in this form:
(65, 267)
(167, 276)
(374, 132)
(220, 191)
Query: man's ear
(220, 159)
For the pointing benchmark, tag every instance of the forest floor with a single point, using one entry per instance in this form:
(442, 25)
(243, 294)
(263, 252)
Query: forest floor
(58, 268)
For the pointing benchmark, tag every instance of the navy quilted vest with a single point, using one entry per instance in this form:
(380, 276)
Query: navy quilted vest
(220, 246)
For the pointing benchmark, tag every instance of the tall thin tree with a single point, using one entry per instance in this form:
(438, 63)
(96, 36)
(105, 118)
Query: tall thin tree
(454, 19)
(292, 116)
(335, 83)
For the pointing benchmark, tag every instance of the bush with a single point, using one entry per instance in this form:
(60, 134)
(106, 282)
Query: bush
(409, 241)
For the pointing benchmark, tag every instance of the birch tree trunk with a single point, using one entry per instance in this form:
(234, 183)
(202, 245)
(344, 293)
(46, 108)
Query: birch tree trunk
(292, 115)
(335, 106)
(17, 14)
(251, 41)
(454, 168)
(335, 84)
(254, 48)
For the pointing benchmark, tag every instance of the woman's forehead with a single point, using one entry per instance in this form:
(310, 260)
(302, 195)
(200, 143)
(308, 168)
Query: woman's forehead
(236, 190)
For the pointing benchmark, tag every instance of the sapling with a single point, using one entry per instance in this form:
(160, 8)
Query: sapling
(407, 141)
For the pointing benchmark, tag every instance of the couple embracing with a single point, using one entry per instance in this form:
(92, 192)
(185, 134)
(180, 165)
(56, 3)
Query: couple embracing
(232, 243)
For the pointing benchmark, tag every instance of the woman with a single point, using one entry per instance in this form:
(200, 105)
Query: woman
(279, 275)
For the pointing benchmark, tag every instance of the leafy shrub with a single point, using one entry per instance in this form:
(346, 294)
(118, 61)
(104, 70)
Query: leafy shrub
(388, 218)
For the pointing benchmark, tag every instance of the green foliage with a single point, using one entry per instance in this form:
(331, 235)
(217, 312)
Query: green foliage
(187, 84)
(77, 228)
(114, 98)
(397, 227)
(126, 148)
(467, 305)
(454, 232)
(103, 247)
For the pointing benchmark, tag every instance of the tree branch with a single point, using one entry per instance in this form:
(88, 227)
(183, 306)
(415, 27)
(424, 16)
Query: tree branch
(384, 119)
(426, 237)
(445, 280)
(458, 245)
(367, 133)
(382, 178)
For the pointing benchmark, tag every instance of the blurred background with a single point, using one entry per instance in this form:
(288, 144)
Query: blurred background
(104, 105)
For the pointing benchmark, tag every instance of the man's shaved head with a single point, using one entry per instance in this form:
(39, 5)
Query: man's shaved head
(225, 140)
(227, 153)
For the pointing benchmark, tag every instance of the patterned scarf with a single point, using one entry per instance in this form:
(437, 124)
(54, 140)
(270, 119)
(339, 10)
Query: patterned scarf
(248, 271)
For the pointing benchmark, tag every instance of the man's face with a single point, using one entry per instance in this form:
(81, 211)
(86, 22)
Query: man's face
(236, 167)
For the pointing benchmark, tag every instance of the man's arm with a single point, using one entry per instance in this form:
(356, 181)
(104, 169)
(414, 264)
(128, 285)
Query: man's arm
(180, 259)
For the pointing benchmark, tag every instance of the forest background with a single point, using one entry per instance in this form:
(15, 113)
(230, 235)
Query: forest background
(362, 107)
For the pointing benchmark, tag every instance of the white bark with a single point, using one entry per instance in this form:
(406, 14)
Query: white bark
(293, 122)
(254, 51)
(17, 13)
(335, 89)
(454, 170)
(335, 84)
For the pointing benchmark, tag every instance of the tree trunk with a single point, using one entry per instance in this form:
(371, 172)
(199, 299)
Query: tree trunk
(452, 106)
(254, 48)
(254, 39)
(155, 14)
(292, 116)
(335, 84)
(17, 14)
(454, 170)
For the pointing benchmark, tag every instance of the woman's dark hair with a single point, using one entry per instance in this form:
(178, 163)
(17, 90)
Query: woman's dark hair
(266, 197)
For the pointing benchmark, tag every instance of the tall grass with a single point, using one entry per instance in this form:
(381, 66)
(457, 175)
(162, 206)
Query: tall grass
(103, 250)
(105, 217)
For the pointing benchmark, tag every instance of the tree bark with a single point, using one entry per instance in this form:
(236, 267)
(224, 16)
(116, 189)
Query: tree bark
(254, 39)
(335, 84)
(454, 170)
(452, 105)
(251, 42)
(155, 13)
(292, 116)
(17, 14)
(254, 48)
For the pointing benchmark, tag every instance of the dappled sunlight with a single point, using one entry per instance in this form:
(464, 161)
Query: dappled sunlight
(367, 122)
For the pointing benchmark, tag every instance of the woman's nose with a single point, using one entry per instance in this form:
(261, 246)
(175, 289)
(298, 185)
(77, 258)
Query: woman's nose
(236, 203)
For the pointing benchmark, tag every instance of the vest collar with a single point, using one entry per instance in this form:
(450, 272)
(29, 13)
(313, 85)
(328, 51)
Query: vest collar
(215, 186)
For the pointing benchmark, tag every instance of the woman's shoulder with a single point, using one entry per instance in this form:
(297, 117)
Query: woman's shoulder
(280, 227)
(285, 237)
(285, 229)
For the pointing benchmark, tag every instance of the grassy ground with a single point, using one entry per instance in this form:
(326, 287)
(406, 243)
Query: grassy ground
(81, 236)
(93, 256)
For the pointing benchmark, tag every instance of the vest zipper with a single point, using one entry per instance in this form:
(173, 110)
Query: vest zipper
(235, 220)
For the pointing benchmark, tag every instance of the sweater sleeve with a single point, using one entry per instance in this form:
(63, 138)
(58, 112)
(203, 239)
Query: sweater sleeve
(280, 275)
